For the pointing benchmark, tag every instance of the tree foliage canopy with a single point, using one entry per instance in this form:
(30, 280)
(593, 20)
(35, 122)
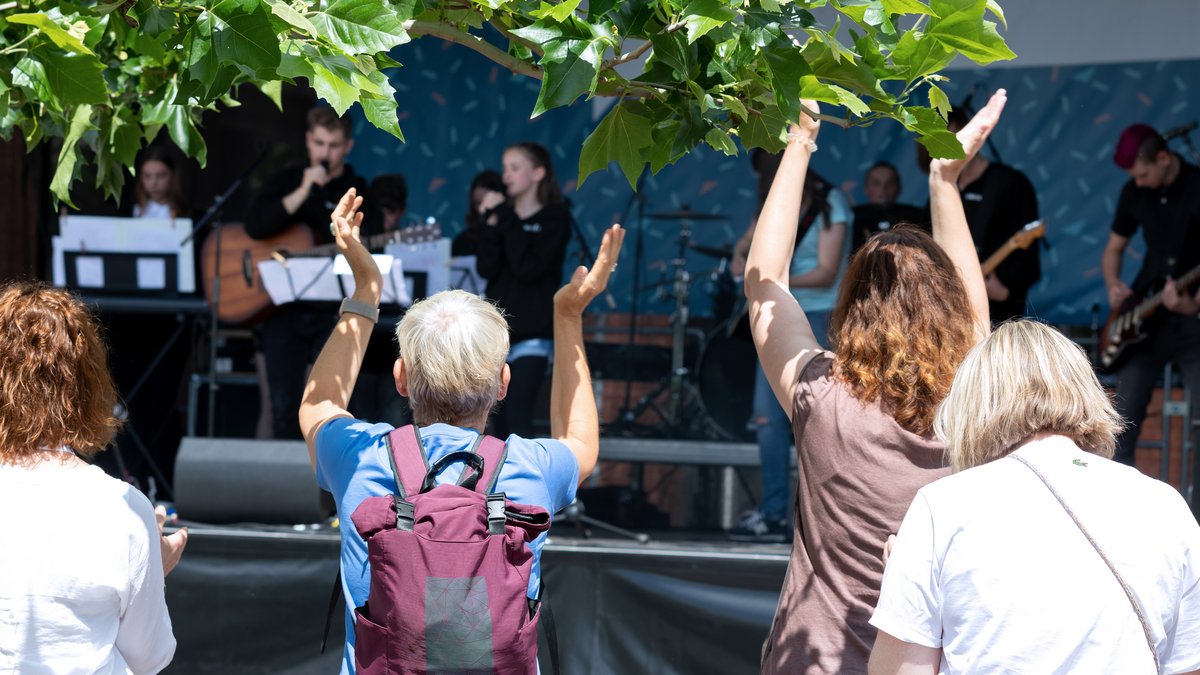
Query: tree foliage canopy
(106, 77)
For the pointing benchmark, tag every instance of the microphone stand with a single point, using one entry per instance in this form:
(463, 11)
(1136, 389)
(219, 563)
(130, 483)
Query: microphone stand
(215, 297)
(640, 199)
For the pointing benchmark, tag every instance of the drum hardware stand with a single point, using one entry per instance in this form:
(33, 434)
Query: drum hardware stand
(574, 513)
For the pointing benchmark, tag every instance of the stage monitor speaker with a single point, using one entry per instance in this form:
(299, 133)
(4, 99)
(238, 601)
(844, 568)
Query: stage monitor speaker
(228, 480)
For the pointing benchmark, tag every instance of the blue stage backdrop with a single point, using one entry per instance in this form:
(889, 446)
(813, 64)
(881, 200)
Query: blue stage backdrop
(458, 111)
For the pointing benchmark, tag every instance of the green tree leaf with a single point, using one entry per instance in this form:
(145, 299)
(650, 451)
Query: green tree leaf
(183, 131)
(570, 69)
(942, 144)
(246, 40)
(274, 91)
(960, 26)
(68, 157)
(56, 33)
(938, 101)
(285, 11)
(562, 10)
(381, 110)
(360, 26)
(73, 78)
(705, 15)
(765, 128)
(907, 7)
(719, 140)
(622, 136)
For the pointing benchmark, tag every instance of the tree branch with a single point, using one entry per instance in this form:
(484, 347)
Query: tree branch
(451, 34)
(630, 56)
(533, 47)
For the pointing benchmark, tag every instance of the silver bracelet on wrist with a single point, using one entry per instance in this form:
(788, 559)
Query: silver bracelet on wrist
(808, 142)
(360, 308)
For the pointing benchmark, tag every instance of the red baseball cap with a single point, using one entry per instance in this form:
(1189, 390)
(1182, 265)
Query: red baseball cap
(1129, 142)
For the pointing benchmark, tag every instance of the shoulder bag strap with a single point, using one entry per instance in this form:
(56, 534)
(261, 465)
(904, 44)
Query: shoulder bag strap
(1137, 607)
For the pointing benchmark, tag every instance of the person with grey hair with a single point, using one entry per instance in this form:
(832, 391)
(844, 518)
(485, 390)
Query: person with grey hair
(1039, 554)
(451, 366)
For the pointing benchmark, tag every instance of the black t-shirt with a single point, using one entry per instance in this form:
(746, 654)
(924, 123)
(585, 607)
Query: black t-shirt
(522, 259)
(267, 217)
(870, 219)
(1170, 222)
(997, 205)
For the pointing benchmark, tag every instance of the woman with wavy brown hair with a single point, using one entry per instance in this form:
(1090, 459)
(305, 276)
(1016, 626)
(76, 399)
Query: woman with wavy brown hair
(909, 309)
(82, 555)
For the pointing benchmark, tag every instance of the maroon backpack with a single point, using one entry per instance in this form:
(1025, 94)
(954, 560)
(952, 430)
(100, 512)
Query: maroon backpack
(450, 568)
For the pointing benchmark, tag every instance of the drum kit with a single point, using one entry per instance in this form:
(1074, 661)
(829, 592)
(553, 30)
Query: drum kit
(708, 396)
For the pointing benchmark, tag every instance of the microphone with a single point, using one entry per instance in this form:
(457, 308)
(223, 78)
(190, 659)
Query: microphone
(1180, 131)
(324, 165)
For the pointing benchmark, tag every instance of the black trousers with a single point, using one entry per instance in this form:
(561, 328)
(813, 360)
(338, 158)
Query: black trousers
(291, 338)
(515, 415)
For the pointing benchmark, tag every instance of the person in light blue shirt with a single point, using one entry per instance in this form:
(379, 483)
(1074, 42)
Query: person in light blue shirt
(818, 264)
(451, 366)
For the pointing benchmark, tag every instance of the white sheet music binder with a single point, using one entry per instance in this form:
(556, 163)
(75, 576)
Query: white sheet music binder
(126, 254)
(315, 279)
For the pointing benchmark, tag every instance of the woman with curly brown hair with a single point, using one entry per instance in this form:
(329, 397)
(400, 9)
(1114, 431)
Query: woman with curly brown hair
(82, 558)
(909, 309)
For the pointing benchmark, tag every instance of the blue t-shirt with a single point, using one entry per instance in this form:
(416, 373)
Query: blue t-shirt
(805, 258)
(352, 464)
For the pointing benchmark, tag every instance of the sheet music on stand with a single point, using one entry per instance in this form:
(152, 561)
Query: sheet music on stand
(328, 279)
(465, 276)
(429, 260)
(123, 255)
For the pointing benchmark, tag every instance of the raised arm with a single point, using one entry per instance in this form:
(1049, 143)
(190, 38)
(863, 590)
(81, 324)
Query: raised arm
(782, 335)
(573, 417)
(950, 228)
(335, 371)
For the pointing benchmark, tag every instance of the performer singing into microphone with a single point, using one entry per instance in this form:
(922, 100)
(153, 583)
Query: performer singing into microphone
(303, 196)
(522, 244)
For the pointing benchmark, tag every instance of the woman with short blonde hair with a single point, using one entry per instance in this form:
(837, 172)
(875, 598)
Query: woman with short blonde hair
(1040, 554)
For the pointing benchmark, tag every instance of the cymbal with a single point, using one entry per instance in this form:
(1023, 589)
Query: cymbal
(712, 251)
(686, 214)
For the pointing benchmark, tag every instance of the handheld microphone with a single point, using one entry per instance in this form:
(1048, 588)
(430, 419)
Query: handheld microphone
(1180, 131)
(324, 165)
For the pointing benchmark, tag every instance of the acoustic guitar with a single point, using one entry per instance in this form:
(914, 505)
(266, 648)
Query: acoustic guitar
(243, 297)
(1131, 323)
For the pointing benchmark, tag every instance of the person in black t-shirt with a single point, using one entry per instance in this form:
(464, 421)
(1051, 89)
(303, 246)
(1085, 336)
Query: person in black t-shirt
(882, 186)
(1163, 200)
(522, 245)
(999, 201)
(303, 196)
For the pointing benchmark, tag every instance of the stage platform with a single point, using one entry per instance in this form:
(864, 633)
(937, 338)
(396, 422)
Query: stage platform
(252, 599)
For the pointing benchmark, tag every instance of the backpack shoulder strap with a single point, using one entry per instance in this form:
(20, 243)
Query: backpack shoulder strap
(493, 451)
(409, 463)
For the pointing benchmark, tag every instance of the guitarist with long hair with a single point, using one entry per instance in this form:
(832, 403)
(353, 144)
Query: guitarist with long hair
(302, 197)
(1162, 198)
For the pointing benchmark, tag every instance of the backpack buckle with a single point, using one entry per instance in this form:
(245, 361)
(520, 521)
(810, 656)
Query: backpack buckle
(496, 515)
(405, 514)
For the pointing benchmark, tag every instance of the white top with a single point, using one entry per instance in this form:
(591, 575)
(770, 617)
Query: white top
(808, 250)
(81, 580)
(153, 210)
(989, 567)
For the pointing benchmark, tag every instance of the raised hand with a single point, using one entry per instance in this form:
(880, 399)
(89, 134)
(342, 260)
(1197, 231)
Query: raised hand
(346, 223)
(972, 136)
(585, 284)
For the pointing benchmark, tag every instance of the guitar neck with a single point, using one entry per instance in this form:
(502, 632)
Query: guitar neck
(1151, 304)
(378, 241)
(998, 257)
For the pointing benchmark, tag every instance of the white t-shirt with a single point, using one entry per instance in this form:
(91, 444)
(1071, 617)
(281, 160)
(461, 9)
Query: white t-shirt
(989, 567)
(81, 580)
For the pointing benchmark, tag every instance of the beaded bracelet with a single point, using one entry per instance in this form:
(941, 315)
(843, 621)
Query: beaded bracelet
(809, 143)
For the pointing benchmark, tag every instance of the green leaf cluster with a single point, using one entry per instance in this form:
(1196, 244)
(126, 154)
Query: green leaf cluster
(105, 77)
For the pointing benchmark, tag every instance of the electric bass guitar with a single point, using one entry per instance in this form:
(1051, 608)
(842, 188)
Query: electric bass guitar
(1131, 323)
(243, 299)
